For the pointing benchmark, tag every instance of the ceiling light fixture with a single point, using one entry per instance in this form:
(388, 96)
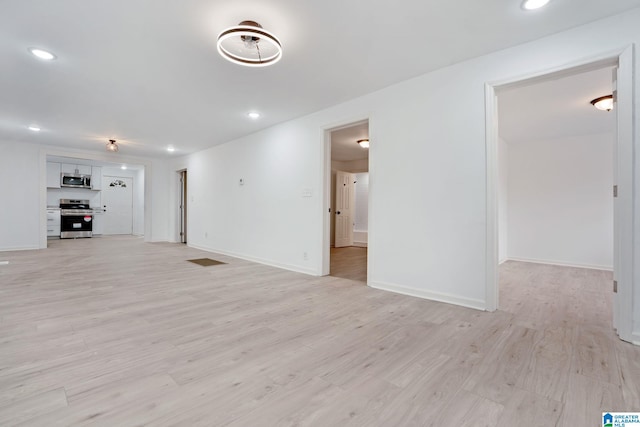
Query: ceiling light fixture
(41, 53)
(249, 44)
(534, 4)
(34, 128)
(171, 149)
(123, 167)
(112, 146)
(364, 143)
(253, 115)
(604, 103)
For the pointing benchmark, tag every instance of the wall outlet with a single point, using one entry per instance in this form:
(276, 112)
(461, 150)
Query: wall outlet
(241, 181)
(206, 235)
(305, 256)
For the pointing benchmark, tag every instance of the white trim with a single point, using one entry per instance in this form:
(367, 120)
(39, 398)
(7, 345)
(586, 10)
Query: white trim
(491, 249)
(432, 296)
(263, 261)
(360, 244)
(624, 265)
(560, 263)
(22, 248)
(42, 188)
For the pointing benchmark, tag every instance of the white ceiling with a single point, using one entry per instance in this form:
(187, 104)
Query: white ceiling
(555, 108)
(147, 73)
(344, 143)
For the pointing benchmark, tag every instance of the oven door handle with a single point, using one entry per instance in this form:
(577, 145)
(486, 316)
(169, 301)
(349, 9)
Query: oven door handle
(76, 214)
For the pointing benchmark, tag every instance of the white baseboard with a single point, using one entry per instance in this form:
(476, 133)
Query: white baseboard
(560, 263)
(24, 248)
(290, 267)
(434, 296)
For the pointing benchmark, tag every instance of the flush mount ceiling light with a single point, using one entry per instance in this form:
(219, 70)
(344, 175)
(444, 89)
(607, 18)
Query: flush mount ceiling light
(364, 143)
(34, 128)
(123, 167)
(171, 149)
(604, 103)
(41, 53)
(253, 115)
(249, 44)
(534, 4)
(112, 146)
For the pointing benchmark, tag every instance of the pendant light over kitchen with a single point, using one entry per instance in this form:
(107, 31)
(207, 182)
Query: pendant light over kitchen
(112, 146)
(250, 45)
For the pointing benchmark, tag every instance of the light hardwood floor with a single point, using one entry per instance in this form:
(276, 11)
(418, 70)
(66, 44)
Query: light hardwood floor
(349, 263)
(116, 332)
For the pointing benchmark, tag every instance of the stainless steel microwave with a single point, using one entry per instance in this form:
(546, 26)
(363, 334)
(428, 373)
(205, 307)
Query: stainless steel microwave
(75, 180)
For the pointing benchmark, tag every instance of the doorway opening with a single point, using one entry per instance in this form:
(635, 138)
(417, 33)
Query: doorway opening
(349, 201)
(183, 206)
(562, 170)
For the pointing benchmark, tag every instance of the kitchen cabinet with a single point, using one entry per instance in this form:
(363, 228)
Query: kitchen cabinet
(98, 223)
(76, 169)
(96, 177)
(53, 175)
(53, 222)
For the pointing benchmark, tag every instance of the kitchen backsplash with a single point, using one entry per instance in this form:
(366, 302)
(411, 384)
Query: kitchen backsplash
(54, 195)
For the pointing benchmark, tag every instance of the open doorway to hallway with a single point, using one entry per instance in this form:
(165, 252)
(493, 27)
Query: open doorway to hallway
(555, 204)
(349, 201)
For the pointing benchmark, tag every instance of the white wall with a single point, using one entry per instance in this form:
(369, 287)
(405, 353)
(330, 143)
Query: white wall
(267, 218)
(20, 204)
(503, 200)
(560, 201)
(428, 208)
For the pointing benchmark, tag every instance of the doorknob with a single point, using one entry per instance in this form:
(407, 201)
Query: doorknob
(338, 213)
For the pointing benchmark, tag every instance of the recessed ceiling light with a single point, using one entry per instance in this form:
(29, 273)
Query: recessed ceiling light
(123, 167)
(253, 115)
(42, 54)
(171, 149)
(34, 128)
(534, 4)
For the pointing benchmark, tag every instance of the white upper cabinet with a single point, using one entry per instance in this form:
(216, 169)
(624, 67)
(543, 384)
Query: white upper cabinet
(96, 177)
(78, 169)
(53, 175)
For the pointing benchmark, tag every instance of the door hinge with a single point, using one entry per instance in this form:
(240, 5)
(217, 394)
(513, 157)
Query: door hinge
(181, 233)
(615, 191)
(615, 286)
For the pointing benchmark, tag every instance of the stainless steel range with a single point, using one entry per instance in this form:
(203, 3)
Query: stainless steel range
(76, 219)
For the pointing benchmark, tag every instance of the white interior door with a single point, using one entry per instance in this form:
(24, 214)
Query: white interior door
(117, 200)
(345, 208)
(616, 211)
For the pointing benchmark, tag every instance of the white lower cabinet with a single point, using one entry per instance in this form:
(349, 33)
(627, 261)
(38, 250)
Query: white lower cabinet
(53, 222)
(98, 224)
